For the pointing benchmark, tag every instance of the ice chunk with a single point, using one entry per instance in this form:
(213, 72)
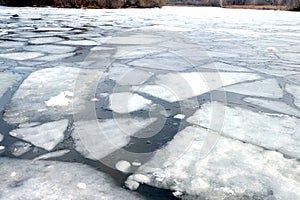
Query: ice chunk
(2, 149)
(271, 131)
(123, 166)
(295, 91)
(21, 55)
(28, 103)
(179, 116)
(44, 40)
(262, 88)
(232, 170)
(63, 99)
(19, 148)
(179, 86)
(139, 39)
(53, 154)
(52, 29)
(79, 43)
(1, 137)
(274, 105)
(98, 138)
(46, 136)
(48, 48)
(126, 102)
(57, 180)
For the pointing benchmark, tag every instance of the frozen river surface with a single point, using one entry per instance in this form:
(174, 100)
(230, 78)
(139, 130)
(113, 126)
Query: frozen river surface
(171, 103)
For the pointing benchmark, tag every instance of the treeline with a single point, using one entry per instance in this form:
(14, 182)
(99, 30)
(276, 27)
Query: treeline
(86, 3)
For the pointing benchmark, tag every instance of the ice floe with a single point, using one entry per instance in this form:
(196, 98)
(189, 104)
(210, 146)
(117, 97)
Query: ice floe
(7, 81)
(44, 40)
(1, 137)
(57, 180)
(98, 138)
(54, 57)
(276, 106)
(54, 86)
(271, 131)
(126, 102)
(232, 170)
(46, 136)
(49, 48)
(263, 88)
(19, 148)
(79, 43)
(21, 55)
(54, 154)
(179, 86)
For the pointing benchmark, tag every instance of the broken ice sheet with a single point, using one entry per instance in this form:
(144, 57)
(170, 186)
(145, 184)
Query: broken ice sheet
(232, 170)
(96, 139)
(57, 180)
(179, 86)
(270, 131)
(79, 43)
(46, 136)
(276, 106)
(263, 88)
(28, 103)
(21, 55)
(53, 57)
(126, 102)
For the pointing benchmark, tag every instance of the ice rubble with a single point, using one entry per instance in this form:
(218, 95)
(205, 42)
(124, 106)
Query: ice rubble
(232, 170)
(21, 55)
(270, 131)
(23, 179)
(46, 136)
(263, 88)
(126, 102)
(40, 94)
(276, 106)
(179, 86)
(96, 139)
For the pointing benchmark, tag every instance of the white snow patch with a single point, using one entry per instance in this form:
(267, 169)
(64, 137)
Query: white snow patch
(46, 136)
(126, 102)
(63, 99)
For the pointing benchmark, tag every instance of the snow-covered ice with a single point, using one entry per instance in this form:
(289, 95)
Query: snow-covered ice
(271, 131)
(126, 102)
(46, 136)
(233, 170)
(57, 180)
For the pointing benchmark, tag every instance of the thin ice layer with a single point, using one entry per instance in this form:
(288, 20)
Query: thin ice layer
(96, 139)
(24, 179)
(46, 136)
(232, 170)
(270, 131)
